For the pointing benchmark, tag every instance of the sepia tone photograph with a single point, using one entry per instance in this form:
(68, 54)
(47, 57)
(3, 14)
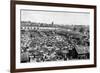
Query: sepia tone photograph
(47, 36)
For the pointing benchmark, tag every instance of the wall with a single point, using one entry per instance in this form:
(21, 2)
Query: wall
(5, 36)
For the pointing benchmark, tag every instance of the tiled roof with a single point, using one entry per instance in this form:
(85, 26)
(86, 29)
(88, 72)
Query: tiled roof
(82, 49)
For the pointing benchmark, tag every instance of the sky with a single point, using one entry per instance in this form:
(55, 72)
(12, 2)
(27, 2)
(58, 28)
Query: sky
(58, 17)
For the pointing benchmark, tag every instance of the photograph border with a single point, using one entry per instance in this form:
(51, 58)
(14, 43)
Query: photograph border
(13, 35)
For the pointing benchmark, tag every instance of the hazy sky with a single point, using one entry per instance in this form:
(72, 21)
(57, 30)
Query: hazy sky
(57, 17)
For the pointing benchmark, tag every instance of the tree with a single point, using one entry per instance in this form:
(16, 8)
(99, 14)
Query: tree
(81, 30)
